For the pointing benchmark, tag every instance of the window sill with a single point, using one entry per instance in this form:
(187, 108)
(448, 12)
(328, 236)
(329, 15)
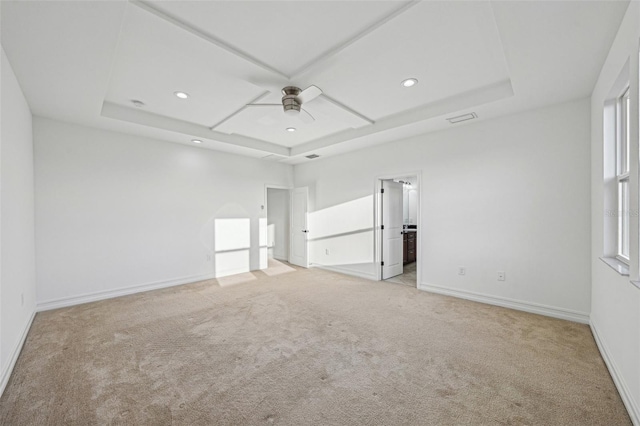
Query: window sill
(616, 265)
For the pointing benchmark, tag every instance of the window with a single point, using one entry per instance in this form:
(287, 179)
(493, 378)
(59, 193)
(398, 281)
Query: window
(622, 174)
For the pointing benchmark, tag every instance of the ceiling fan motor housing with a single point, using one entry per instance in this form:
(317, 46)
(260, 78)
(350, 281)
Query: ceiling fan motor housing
(290, 101)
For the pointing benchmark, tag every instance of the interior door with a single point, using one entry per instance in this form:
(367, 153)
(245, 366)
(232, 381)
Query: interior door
(392, 238)
(298, 254)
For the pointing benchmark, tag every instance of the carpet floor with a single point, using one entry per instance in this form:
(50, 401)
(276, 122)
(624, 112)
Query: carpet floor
(297, 347)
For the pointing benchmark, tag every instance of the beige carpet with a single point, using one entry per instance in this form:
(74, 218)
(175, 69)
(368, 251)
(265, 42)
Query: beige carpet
(300, 347)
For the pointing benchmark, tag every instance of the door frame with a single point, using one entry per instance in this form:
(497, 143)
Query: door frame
(266, 207)
(306, 262)
(377, 216)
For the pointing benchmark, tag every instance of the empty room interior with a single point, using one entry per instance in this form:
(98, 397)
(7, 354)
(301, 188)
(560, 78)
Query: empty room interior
(320, 212)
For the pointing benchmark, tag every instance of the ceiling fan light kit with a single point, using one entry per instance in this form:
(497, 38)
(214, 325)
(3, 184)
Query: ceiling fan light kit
(290, 101)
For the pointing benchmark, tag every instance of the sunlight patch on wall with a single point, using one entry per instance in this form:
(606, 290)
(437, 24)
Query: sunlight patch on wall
(232, 244)
(271, 239)
(342, 218)
(342, 234)
(262, 241)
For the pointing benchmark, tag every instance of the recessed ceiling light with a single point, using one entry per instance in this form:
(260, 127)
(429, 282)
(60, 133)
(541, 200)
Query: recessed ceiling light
(409, 82)
(196, 141)
(291, 129)
(181, 95)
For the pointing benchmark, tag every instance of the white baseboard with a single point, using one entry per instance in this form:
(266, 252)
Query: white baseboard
(6, 373)
(623, 390)
(345, 271)
(109, 294)
(534, 308)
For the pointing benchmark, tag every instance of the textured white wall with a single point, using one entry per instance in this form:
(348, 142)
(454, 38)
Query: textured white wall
(509, 194)
(17, 244)
(615, 306)
(117, 212)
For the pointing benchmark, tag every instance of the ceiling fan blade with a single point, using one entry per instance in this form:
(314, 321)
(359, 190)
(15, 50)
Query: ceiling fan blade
(273, 85)
(270, 118)
(305, 117)
(309, 94)
(263, 105)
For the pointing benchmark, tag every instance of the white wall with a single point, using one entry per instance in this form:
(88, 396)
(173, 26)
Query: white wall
(17, 250)
(615, 306)
(509, 194)
(278, 223)
(118, 213)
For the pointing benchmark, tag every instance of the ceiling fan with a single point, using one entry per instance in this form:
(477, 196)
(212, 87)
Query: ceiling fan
(292, 100)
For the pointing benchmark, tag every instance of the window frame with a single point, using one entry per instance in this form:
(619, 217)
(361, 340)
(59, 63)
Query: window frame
(622, 175)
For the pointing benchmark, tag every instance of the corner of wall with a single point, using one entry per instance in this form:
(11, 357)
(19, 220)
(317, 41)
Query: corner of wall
(618, 379)
(17, 223)
(7, 369)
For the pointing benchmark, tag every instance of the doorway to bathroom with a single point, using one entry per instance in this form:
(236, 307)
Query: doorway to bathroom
(397, 228)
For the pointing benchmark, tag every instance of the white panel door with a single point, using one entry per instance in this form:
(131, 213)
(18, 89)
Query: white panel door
(298, 255)
(392, 238)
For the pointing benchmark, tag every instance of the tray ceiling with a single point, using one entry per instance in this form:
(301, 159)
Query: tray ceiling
(227, 54)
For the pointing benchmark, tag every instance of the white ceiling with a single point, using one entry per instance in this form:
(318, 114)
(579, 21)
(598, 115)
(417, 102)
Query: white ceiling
(84, 62)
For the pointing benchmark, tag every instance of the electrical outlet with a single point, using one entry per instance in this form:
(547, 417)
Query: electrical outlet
(208, 257)
(326, 251)
(462, 270)
(501, 276)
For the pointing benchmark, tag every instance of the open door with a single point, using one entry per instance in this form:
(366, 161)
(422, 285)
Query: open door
(298, 254)
(391, 229)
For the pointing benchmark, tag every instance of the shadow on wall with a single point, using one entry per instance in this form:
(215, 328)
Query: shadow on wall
(343, 234)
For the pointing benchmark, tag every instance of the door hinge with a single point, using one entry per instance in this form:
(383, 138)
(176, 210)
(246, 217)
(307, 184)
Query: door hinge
(381, 263)
(382, 190)
(381, 226)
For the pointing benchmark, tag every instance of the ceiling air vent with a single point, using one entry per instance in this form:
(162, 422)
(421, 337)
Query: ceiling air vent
(464, 117)
(312, 156)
